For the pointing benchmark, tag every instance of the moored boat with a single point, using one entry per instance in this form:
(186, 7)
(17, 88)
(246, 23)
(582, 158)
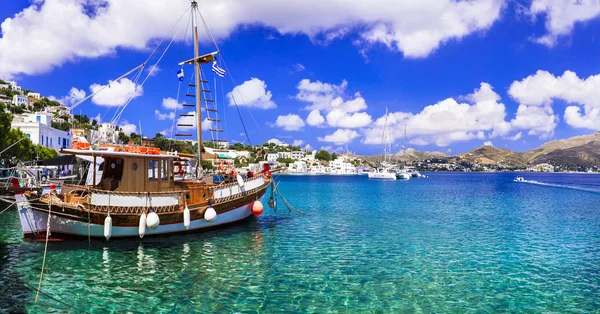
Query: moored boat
(144, 191)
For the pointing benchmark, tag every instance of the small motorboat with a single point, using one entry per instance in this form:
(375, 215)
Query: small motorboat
(519, 179)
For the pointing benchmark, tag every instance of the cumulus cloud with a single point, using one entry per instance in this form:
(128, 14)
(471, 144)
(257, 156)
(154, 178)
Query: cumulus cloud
(298, 67)
(32, 42)
(128, 128)
(447, 121)
(341, 111)
(164, 116)
(340, 136)
(189, 123)
(561, 16)
(74, 96)
(290, 122)
(297, 143)
(315, 118)
(488, 143)
(171, 103)
(116, 93)
(252, 93)
(277, 142)
(536, 94)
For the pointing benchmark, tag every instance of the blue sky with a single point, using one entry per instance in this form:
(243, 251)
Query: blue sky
(498, 78)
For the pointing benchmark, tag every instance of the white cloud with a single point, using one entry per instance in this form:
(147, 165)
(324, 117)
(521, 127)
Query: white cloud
(341, 119)
(562, 15)
(540, 121)
(252, 93)
(330, 99)
(516, 137)
(297, 143)
(488, 143)
(308, 147)
(171, 103)
(326, 148)
(116, 94)
(290, 122)
(315, 118)
(164, 116)
(536, 94)
(188, 123)
(298, 67)
(277, 142)
(32, 42)
(340, 136)
(128, 128)
(447, 121)
(73, 97)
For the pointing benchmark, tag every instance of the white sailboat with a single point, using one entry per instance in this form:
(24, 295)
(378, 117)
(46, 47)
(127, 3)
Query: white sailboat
(384, 170)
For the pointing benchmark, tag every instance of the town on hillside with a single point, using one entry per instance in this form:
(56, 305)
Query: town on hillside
(35, 127)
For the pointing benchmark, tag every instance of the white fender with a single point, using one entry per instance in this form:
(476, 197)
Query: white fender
(107, 227)
(210, 214)
(152, 221)
(240, 180)
(142, 227)
(186, 217)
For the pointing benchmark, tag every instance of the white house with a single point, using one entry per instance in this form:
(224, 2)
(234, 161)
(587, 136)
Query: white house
(107, 133)
(34, 95)
(60, 110)
(285, 154)
(272, 157)
(310, 157)
(297, 155)
(20, 100)
(318, 169)
(339, 166)
(298, 166)
(14, 86)
(37, 127)
(4, 86)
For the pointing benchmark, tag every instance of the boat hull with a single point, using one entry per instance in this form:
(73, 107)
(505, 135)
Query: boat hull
(382, 176)
(34, 224)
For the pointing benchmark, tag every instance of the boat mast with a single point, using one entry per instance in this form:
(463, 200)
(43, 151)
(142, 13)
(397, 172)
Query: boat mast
(197, 85)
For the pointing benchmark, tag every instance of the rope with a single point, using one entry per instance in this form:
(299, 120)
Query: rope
(55, 299)
(285, 202)
(45, 251)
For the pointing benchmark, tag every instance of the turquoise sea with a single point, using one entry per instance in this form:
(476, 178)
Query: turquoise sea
(456, 242)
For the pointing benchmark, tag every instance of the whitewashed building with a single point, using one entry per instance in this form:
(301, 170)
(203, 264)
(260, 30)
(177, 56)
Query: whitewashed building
(298, 167)
(297, 155)
(4, 86)
(272, 157)
(37, 127)
(318, 169)
(285, 154)
(107, 133)
(14, 86)
(34, 95)
(339, 166)
(60, 110)
(20, 100)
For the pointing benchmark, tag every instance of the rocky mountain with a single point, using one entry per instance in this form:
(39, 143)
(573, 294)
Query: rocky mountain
(490, 155)
(576, 151)
(411, 154)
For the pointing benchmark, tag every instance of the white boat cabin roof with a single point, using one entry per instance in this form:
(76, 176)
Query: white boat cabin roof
(106, 153)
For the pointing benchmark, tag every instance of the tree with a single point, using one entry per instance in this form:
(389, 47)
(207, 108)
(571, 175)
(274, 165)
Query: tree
(124, 138)
(286, 161)
(334, 156)
(323, 155)
(23, 149)
(64, 126)
(207, 165)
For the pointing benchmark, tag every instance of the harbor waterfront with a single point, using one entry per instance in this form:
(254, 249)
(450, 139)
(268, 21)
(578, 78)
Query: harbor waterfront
(456, 242)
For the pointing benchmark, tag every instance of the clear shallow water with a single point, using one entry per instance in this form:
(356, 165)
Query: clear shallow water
(450, 243)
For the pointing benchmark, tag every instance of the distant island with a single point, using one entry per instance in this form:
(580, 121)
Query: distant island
(579, 153)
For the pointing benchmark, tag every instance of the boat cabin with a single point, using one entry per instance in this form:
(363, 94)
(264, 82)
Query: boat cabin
(132, 172)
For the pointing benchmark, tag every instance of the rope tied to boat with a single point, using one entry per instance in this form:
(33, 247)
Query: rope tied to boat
(45, 252)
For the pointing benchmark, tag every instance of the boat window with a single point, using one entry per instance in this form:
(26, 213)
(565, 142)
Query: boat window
(115, 170)
(164, 169)
(153, 169)
(134, 166)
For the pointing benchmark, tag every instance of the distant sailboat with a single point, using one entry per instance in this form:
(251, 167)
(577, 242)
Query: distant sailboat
(384, 170)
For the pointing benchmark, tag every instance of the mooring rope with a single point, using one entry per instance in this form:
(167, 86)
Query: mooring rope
(285, 202)
(45, 251)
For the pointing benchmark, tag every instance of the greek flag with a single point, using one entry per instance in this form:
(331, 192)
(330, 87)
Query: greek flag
(217, 69)
(180, 74)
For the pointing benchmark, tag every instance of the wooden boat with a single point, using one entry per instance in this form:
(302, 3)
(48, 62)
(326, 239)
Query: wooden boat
(138, 194)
